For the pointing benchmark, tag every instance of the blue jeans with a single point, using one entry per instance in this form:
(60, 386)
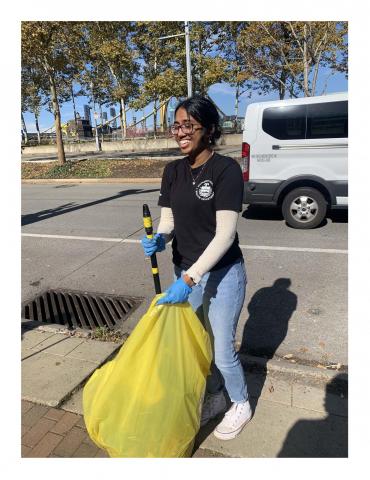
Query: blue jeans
(217, 300)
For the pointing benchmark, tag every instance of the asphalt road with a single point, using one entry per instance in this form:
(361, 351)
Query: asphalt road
(297, 280)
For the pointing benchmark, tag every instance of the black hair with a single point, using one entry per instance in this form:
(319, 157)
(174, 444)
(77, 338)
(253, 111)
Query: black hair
(205, 112)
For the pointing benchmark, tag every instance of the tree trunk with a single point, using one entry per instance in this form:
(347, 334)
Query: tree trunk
(58, 129)
(38, 129)
(155, 118)
(163, 114)
(24, 129)
(291, 91)
(314, 81)
(305, 64)
(122, 114)
(236, 105)
(282, 85)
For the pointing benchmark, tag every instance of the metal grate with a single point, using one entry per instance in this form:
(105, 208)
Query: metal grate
(79, 309)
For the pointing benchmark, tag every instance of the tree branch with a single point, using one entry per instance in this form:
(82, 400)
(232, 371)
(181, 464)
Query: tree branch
(326, 82)
(316, 71)
(296, 37)
(286, 64)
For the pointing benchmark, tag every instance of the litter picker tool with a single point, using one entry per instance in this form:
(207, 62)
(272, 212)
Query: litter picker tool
(148, 225)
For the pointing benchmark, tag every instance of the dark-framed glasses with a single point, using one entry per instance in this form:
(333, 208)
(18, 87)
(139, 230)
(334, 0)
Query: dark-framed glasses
(187, 128)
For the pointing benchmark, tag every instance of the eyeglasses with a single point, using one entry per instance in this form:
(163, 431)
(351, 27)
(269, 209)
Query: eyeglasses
(187, 128)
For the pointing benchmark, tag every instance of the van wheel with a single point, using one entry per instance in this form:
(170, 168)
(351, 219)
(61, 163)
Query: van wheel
(304, 208)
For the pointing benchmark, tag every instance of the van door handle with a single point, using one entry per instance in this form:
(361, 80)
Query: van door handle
(300, 146)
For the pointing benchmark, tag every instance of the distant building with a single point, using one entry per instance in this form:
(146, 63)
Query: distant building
(112, 112)
(87, 116)
(82, 127)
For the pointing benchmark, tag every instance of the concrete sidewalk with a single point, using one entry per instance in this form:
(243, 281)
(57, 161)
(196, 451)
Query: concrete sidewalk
(299, 411)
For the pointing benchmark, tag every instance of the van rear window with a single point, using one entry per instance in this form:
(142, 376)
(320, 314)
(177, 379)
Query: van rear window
(316, 120)
(285, 123)
(327, 120)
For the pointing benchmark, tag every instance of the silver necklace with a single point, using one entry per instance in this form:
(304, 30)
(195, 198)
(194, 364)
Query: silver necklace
(200, 173)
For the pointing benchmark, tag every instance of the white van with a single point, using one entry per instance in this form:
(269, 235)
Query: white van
(295, 156)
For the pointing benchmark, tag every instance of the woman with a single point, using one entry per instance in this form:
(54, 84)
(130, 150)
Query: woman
(201, 197)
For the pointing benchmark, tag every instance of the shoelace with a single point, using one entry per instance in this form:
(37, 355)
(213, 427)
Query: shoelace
(236, 409)
(232, 410)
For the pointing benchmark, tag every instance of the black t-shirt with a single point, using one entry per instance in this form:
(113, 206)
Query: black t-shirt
(218, 186)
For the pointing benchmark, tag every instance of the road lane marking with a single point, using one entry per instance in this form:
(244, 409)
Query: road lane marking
(69, 237)
(293, 249)
(131, 240)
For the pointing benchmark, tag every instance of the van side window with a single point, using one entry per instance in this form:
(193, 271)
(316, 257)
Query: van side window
(285, 123)
(327, 120)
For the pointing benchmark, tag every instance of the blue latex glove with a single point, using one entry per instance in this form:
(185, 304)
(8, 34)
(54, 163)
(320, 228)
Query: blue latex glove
(153, 245)
(178, 292)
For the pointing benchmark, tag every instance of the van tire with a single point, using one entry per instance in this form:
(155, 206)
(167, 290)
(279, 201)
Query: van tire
(304, 208)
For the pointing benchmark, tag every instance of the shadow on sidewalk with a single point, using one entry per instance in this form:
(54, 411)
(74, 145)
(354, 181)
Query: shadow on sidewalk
(325, 438)
(71, 207)
(270, 310)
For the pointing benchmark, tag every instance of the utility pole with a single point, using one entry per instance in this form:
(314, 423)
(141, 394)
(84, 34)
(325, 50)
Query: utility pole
(97, 143)
(187, 52)
(155, 99)
(74, 113)
(188, 63)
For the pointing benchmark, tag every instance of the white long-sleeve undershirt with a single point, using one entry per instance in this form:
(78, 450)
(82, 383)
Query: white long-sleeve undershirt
(226, 222)
(166, 224)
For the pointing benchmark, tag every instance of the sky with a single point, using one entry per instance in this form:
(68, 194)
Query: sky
(221, 93)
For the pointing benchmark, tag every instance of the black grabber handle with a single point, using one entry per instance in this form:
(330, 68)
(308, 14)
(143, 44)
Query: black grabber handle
(148, 225)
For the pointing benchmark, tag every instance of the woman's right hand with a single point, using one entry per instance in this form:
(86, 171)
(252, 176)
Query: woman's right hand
(153, 245)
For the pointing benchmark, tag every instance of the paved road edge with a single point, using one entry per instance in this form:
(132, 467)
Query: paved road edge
(90, 180)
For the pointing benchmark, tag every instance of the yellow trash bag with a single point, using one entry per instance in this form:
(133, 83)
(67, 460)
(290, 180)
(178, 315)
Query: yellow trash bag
(146, 402)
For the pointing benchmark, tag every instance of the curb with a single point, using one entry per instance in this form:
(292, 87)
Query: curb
(29, 159)
(277, 365)
(44, 181)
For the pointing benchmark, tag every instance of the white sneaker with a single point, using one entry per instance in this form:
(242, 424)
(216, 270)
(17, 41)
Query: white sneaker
(212, 406)
(234, 421)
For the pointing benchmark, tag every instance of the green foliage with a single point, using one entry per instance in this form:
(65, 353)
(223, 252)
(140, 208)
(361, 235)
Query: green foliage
(286, 56)
(52, 50)
(95, 168)
(60, 171)
(130, 63)
(208, 67)
(79, 169)
(105, 334)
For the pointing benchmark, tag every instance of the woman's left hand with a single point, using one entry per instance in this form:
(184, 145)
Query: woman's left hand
(178, 292)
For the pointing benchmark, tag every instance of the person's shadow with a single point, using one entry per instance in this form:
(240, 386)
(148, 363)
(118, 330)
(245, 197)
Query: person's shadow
(270, 310)
(325, 438)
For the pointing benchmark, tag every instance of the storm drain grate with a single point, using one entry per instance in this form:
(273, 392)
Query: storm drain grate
(79, 309)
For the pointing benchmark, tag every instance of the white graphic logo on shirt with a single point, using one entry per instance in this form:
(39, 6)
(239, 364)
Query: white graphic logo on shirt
(204, 190)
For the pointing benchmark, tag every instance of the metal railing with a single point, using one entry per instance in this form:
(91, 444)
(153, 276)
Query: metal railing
(115, 136)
